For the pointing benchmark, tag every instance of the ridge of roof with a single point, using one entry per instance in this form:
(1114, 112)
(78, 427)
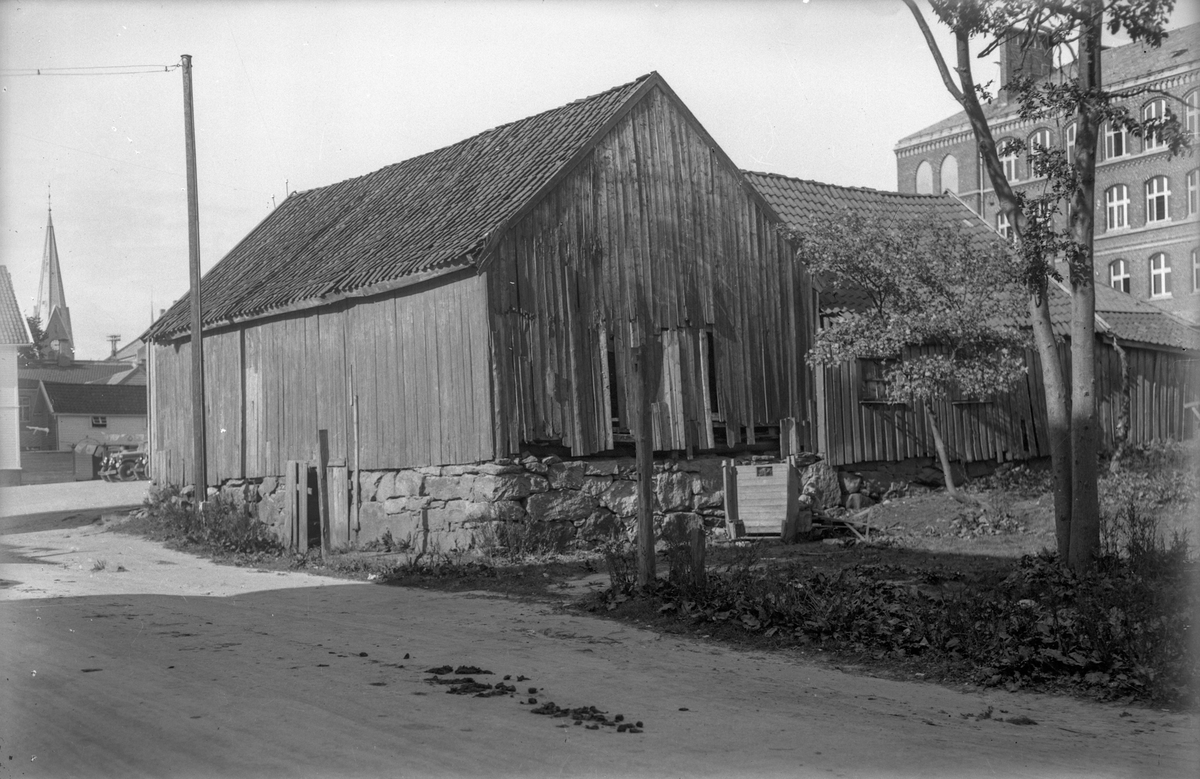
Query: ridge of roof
(848, 188)
(402, 224)
(482, 133)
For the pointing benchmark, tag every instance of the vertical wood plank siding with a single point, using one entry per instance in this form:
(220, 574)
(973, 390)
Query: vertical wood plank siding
(419, 367)
(654, 219)
(1012, 426)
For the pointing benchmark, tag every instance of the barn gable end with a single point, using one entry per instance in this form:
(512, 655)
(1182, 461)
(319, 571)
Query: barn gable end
(555, 242)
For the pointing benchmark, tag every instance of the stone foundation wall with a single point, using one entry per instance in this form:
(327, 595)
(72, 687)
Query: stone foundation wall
(564, 503)
(561, 503)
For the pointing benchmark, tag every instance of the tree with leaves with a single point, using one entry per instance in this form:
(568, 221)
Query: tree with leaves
(945, 317)
(31, 354)
(1055, 224)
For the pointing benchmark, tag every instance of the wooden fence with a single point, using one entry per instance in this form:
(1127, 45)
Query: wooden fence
(852, 428)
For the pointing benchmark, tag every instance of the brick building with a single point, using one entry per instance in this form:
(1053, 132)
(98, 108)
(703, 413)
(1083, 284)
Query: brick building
(1147, 235)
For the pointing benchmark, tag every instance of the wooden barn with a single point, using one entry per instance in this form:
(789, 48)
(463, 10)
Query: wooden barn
(854, 424)
(485, 297)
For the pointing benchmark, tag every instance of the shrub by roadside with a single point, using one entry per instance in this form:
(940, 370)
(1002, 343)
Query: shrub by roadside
(224, 527)
(1123, 630)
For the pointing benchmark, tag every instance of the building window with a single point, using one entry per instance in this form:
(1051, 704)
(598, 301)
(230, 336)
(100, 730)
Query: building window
(950, 174)
(1115, 141)
(1003, 226)
(874, 386)
(1118, 275)
(1160, 276)
(1153, 111)
(1195, 270)
(99, 421)
(1158, 196)
(1192, 117)
(1069, 142)
(27, 414)
(1116, 207)
(1038, 141)
(1193, 192)
(924, 178)
(1009, 163)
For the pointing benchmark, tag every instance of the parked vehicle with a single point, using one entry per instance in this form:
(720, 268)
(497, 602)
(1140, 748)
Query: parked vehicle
(125, 465)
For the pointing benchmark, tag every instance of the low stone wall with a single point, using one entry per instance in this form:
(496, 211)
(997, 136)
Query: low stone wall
(561, 503)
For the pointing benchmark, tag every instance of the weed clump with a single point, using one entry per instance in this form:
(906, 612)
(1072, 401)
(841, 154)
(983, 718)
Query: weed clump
(223, 526)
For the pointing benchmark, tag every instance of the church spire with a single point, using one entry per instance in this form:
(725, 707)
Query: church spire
(51, 298)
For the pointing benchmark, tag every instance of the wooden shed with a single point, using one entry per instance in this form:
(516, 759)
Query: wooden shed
(854, 425)
(484, 296)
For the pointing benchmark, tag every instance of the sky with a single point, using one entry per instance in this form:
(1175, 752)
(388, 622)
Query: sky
(295, 94)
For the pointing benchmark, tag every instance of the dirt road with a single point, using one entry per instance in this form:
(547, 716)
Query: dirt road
(179, 668)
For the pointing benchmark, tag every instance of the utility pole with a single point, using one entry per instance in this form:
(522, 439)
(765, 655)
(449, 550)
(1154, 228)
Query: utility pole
(199, 456)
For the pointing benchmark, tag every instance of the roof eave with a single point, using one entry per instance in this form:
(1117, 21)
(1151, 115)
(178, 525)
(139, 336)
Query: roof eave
(373, 290)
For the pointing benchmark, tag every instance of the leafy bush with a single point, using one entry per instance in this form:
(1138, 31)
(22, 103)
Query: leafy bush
(1123, 629)
(223, 526)
(1017, 478)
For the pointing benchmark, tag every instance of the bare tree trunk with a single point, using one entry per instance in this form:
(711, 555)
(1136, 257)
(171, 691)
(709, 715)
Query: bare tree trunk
(1085, 499)
(1053, 381)
(1058, 420)
(1121, 434)
(938, 444)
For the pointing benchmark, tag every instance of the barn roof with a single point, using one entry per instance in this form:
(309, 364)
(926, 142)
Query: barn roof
(82, 372)
(1118, 313)
(1127, 318)
(798, 201)
(96, 399)
(13, 331)
(404, 223)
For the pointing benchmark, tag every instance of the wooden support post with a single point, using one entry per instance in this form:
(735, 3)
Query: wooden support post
(357, 524)
(296, 491)
(323, 487)
(644, 444)
(733, 525)
(696, 541)
(339, 504)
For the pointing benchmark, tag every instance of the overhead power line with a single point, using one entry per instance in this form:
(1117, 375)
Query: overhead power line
(90, 70)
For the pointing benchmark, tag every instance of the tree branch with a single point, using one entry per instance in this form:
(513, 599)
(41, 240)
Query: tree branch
(935, 51)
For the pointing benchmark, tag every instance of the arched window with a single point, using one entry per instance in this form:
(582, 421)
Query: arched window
(1160, 276)
(1003, 226)
(1153, 111)
(1118, 275)
(1158, 200)
(924, 178)
(950, 174)
(1007, 161)
(1116, 142)
(1038, 140)
(1069, 142)
(1116, 207)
